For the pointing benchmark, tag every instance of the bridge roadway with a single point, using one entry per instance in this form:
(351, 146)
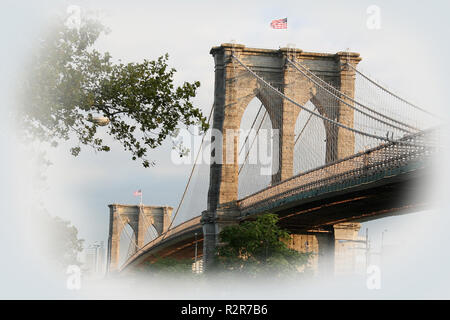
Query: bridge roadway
(374, 184)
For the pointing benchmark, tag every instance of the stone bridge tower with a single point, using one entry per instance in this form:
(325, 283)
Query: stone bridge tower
(235, 88)
(139, 218)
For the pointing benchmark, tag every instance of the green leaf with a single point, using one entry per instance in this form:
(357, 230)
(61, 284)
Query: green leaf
(71, 88)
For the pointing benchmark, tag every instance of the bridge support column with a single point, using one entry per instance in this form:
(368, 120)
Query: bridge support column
(346, 138)
(232, 93)
(113, 242)
(333, 248)
(337, 249)
(287, 116)
(321, 243)
(213, 223)
(116, 226)
(300, 90)
(347, 247)
(142, 228)
(325, 262)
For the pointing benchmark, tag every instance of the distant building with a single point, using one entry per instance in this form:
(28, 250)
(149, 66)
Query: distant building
(197, 267)
(95, 258)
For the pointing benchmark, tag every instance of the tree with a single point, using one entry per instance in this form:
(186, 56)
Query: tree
(258, 247)
(71, 89)
(60, 243)
(168, 266)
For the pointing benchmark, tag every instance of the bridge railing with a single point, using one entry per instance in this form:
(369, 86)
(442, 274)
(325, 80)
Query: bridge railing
(179, 229)
(385, 157)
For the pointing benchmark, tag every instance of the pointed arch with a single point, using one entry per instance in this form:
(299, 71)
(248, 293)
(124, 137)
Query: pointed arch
(256, 146)
(150, 234)
(310, 136)
(127, 243)
(328, 106)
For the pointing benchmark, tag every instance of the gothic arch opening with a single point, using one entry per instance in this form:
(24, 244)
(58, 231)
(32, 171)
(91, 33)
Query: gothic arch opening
(126, 247)
(255, 149)
(150, 234)
(309, 140)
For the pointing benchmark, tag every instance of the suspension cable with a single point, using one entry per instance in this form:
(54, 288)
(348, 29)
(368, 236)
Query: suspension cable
(386, 139)
(302, 107)
(304, 127)
(251, 145)
(128, 235)
(390, 92)
(352, 100)
(130, 250)
(147, 224)
(189, 180)
(253, 124)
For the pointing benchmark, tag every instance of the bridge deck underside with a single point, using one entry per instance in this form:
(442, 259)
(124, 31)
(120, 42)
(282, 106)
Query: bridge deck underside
(184, 249)
(177, 246)
(389, 196)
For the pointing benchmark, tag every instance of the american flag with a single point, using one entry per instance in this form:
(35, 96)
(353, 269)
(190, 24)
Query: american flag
(279, 24)
(137, 193)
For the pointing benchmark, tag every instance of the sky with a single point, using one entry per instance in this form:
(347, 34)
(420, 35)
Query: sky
(409, 53)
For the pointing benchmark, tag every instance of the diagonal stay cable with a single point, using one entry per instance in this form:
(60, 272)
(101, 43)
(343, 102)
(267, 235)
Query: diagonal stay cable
(147, 224)
(354, 101)
(129, 237)
(126, 232)
(189, 180)
(304, 127)
(350, 98)
(387, 139)
(390, 92)
(251, 145)
(253, 124)
(131, 250)
(306, 109)
(151, 232)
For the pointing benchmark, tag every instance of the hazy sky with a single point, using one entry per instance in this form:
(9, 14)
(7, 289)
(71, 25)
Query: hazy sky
(409, 53)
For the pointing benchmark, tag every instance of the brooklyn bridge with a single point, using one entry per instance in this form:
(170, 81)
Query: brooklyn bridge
(344, 149)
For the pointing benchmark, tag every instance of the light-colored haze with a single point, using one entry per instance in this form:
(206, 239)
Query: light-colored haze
(409, 54)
